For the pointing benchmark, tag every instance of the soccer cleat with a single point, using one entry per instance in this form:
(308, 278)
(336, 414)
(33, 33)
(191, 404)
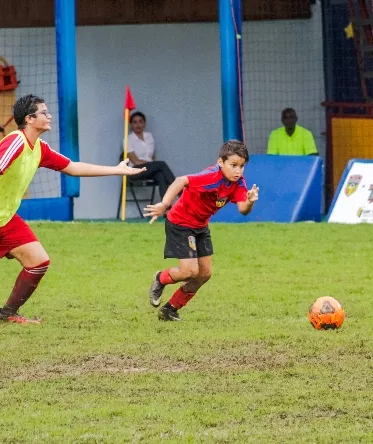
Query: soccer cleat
(156, 290)
(168, 314)
(16, 318)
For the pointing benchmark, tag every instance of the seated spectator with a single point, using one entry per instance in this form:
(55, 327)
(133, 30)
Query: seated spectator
(141, 152)
(291, 139)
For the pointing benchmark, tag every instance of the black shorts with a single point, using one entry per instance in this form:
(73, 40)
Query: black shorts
(187, 243)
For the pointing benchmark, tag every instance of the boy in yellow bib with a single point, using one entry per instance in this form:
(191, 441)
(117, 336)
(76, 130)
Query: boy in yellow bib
(22, 152)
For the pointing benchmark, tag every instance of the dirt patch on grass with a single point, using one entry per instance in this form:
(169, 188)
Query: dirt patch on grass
(212, 357)
(221, 359)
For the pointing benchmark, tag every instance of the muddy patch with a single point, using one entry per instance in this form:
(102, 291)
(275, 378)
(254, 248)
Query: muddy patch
(219, 359)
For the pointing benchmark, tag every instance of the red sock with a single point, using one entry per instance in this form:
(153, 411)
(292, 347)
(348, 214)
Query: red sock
(26, 283)
(180, 298)
(165, 277)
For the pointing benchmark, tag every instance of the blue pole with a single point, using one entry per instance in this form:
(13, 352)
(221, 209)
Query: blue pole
(230, 19)
(67, 90)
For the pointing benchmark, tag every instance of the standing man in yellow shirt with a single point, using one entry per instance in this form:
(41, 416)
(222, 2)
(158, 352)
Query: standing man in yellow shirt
(291, 139)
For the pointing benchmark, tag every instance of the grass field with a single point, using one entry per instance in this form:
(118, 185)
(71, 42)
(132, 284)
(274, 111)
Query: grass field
(245, 366)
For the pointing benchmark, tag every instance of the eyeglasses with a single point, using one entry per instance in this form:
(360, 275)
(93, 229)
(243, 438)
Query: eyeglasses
(45, 112)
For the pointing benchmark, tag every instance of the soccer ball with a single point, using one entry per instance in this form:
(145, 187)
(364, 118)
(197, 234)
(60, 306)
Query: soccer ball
(326, 313)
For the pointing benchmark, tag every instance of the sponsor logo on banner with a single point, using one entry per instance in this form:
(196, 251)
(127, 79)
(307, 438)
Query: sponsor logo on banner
(221, 202)
(192, 242)
(353, 184)
(370, 197)
(366, 216)
(354, 201)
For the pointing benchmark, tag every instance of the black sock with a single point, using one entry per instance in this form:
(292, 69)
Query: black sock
(169, 306)
(158, 277)
(8, 311)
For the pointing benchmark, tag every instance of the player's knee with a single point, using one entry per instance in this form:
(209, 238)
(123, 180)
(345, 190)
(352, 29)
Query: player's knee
(43, 262)
(190, 272)
(39, 257)
(204, 275)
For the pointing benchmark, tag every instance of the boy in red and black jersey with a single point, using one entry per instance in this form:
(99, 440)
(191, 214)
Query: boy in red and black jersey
(187, 234)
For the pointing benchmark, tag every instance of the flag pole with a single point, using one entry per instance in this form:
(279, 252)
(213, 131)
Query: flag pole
(125, 149)
(129, 104)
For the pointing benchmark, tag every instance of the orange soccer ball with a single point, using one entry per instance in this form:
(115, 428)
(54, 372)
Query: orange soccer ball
(326, 313)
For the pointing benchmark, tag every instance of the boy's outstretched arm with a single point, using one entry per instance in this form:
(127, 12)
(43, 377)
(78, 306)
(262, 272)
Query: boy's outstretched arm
(252, 196)
(157, 210)
(90, 170)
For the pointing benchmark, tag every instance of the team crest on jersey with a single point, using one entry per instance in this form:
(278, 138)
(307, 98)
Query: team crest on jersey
(192, 242)
(352, 184)
(221, 202)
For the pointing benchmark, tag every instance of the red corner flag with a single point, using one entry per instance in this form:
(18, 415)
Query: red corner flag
(129, 103)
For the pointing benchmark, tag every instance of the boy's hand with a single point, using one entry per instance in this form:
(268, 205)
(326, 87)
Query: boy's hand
(125, 170)
(253, 194)
(155, 211)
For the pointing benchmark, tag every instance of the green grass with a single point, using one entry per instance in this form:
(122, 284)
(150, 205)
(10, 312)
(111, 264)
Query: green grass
(245, 366)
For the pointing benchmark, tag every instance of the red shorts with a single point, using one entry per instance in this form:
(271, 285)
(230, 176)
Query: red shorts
(14, 234)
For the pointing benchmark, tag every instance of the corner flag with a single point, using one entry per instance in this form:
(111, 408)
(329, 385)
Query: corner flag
(129, 104)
